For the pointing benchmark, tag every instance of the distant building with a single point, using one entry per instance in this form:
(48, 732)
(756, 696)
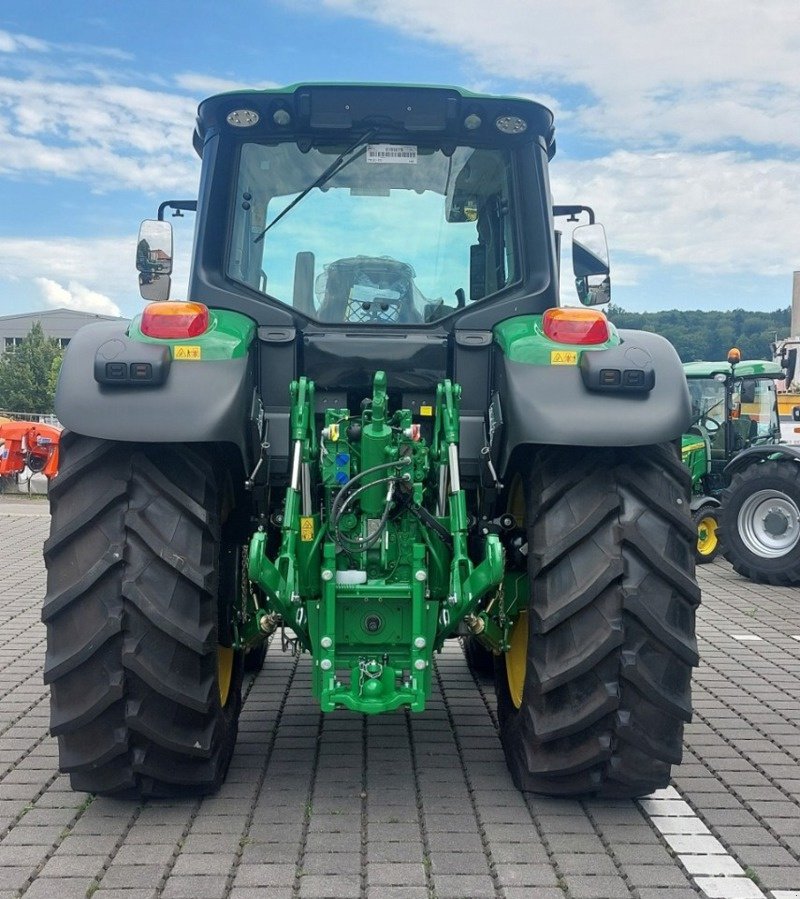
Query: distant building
(58, 323)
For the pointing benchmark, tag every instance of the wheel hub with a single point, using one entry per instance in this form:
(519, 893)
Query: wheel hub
(776, 523)
(707, 535)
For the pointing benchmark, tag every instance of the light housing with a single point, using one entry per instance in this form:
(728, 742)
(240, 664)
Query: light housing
(734, 356)
(242, 118)
(172, 320)
(575, 326)
(510, 124)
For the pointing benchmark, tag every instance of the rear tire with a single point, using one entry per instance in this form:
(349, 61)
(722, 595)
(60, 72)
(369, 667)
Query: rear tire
(479, 658)
(594, 691)
(706, 522)
(145, 696)
(760, 522)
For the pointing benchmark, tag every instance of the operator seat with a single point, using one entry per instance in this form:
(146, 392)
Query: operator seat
(367, 290)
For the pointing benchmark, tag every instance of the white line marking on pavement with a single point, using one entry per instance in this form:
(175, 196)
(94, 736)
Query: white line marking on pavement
(746, 637)
(705, 859)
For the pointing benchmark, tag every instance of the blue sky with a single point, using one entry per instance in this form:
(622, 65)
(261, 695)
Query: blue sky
(679, 122)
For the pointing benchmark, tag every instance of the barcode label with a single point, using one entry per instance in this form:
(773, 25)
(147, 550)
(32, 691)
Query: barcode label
(392, 153)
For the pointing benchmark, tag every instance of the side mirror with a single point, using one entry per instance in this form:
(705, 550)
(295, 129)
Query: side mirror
(154, 259)
(747, 391)
(590, 264)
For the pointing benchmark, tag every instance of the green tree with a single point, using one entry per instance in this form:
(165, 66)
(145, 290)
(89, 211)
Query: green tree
(26, 373)
(709, 335)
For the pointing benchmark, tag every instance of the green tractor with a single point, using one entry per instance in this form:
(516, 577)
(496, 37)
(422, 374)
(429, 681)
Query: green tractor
(745, 483)
(371, 425)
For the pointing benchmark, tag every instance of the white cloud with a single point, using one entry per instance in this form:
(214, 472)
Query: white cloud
(75, 296)
(206, 85)
(733, 66)
(16, 43)
(110, 135)
(706, 211)
(89, 270)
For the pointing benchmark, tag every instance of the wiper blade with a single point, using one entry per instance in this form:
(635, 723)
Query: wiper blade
(334, 168)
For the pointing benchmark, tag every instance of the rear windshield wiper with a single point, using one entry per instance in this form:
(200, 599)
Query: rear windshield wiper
(334, 168)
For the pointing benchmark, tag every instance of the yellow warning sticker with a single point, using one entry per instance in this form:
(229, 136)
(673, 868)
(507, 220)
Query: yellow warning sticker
(427, 411)
(563, 357)
(191, 353)
(306, 529)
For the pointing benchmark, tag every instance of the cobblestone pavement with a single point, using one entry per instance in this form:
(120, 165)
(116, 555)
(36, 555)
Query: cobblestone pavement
(407, 806)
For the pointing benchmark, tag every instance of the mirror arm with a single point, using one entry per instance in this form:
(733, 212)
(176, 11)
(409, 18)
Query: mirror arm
(574, 211)
(177, 205)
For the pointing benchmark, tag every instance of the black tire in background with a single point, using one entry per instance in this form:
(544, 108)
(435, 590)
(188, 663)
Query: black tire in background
(759, 528)
(145, 696)
(479, 658)
(254, 658)
(706, 522)
(594, 693)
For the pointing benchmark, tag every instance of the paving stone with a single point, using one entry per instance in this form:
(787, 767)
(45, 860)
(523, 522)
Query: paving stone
(264, 875)
(457, 886)
(194, 887)
(601, 887)
(729, 888)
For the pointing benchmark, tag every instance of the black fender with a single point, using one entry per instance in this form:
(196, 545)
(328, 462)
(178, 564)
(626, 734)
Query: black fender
(185, 402)
(699, 501)
(565, 405)
(759, 454)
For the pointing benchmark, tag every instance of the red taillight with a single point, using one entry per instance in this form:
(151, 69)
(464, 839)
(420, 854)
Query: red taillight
(570, 325)
(176, 321)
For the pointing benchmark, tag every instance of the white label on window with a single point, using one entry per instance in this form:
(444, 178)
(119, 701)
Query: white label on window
(396, 153)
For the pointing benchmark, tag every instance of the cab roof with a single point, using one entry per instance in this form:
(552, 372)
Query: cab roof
(406, 110)
(747, 368)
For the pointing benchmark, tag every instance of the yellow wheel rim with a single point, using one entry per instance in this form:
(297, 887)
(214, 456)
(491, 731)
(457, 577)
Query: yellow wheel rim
(517, 659)
(224, 672)
(516, 501)
(517, 655)
(707, 535)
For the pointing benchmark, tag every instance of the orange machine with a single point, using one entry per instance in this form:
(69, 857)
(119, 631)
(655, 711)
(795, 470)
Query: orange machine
(28, 443)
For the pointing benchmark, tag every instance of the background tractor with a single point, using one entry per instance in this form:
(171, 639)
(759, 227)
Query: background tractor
(745, 483)
(373, 423)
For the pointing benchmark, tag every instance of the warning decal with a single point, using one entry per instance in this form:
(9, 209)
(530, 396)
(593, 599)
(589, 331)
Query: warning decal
(563, 357)
(192, 353)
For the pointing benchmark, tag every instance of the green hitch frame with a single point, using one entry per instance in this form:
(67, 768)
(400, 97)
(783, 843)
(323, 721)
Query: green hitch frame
(371, 589)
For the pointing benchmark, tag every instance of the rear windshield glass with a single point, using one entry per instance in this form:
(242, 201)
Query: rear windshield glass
(376, 233)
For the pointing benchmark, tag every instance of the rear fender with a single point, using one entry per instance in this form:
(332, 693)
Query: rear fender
(759, 454)
(192, 401)
(566, 405)
(699, 501)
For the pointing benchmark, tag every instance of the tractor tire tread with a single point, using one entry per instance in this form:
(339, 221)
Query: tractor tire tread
(608, 675)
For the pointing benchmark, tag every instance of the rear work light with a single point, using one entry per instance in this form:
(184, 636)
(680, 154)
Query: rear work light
(581, 326)
(175, 321)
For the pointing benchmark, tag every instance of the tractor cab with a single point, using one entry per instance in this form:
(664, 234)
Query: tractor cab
(734, 407)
